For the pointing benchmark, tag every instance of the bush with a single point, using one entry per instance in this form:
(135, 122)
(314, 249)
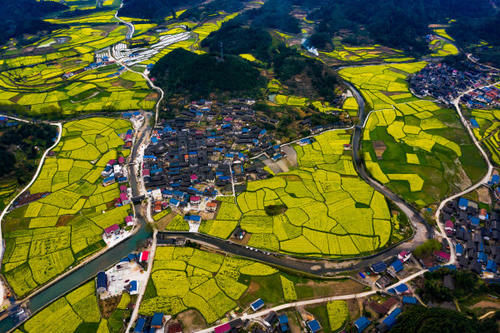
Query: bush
(427, 248)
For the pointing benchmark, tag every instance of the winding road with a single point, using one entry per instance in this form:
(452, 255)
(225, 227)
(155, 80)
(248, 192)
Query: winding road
(35, 176)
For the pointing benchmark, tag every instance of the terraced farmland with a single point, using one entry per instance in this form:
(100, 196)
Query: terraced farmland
(488, 132)
(60, 74)
(45, 237)
(418, 149)
(328, 209)
(35, 83)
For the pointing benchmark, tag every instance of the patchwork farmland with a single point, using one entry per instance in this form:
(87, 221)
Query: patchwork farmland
(78, 311)
(45, 237)
(403, 126)
(215, 284)
(325, 209)
(486, 129)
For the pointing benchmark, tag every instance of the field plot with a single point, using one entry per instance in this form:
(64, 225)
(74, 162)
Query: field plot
(362, 53)
(207, 282)
(487, 131)
(418, 149)
(338, 314)
(328, 209)
(442, 48)
(45, 237)
(77, 311)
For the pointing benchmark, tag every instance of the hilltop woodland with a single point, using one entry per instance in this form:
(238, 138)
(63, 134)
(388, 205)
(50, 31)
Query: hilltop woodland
(24, 17)
(185, 72)
(400, 24)
(303, 76)
(419, 319)
(21, 146)
(469, 34)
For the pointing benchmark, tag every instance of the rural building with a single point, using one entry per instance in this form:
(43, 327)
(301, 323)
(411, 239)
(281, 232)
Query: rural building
(101, 283)
(257, 305)
(112, 230)
(361, 324)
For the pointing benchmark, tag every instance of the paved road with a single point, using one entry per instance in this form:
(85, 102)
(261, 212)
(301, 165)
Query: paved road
(35, 176)
(423, 230)
(481, 182)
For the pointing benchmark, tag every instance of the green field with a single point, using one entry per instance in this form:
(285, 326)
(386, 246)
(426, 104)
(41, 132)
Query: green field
(78, 311)
(49, 235)
(428, 154)
(329, 211)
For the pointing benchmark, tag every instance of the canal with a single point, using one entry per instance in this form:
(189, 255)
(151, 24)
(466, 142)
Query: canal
(83, 274)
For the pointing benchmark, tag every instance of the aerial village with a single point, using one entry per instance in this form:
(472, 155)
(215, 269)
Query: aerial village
(446, 83)
(187, 165)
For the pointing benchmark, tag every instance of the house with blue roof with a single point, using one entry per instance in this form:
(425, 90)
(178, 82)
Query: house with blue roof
(361, 324)
(139, 326)
(378, 267)
(157, 320)
(474, 221)
(459, 249)
(283, 320)
(400, 289)
(495, 180)
(391, 319)
(491, 266)
(463, 203)
(395, 267)
(258, 304)
(313, 326)
(474, 123)
(409, 300)
(192, 218)
(174, 202)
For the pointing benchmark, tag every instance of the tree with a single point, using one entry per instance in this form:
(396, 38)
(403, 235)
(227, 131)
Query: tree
(427, 248)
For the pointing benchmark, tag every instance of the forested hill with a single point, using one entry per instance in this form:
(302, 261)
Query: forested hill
(24, 16)
(154, 9)
(185, 72)
(396, 23)
(469, 33)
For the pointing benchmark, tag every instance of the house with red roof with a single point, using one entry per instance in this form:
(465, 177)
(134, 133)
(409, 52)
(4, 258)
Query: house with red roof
(195, 200)
(112, 230)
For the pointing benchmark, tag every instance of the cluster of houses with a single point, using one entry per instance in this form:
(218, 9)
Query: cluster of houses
(115, 171)
(126, 276)
(6, 122)
(445, 83)
(388, 272)
(482, 98)
(151, 324)
(207, 147)
(476, 236)
(100, 62)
